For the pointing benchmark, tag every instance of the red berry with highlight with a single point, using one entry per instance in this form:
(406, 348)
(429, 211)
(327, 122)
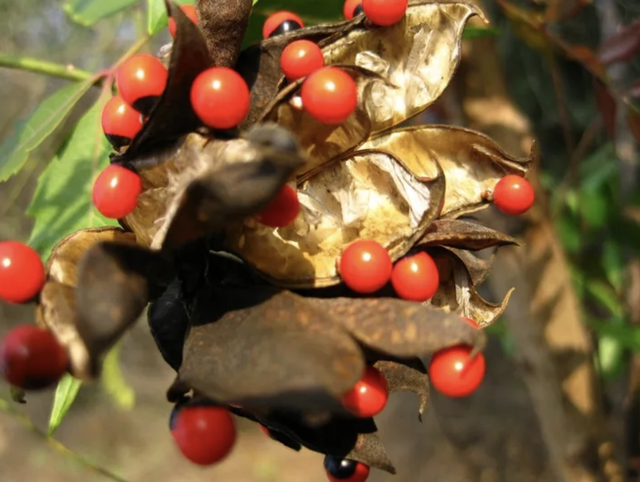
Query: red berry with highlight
(454, 373)
(345, 470)
(205, 434)
(329, 95)
(22, 274)
(120, 122)
(189, 11)
(385, 12)
(141, 81)
(365, 266)
(283, 210)
(301, 58)
(220, 97)
(369, 396)
(280, 23)
(31, 358)
(116, 191)
(415, 278)
(513, 195)
(352, 8)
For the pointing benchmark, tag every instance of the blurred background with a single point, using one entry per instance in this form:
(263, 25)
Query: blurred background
(560, 399)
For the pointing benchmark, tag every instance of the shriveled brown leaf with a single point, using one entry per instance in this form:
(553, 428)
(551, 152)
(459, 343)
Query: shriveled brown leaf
(370, 450)
(368, 195)
(457, 294)
(472, 162)
(407, 377)
(465, 235)
(477, 267)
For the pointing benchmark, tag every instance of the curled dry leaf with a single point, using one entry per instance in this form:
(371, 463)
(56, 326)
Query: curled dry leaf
(370, 450)
(457, 293)
(409, 376)
(368, 195)
(472, 162)
(464, 235)
(477, 267)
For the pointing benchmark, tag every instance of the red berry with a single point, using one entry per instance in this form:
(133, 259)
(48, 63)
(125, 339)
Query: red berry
(120, 122)
(22, 273)
(352, 8)
(280, 23)
(31, 358)
(329, 95)
(470, 322)
(513, 195)
(384, 12)
(205, 434)
(365, 266)
(369, 396)
(283, 210)
(189, 11)
(345, 470)
(454, 374)
(116, 191)
(220, 98)
(265, 430)
(301, 58)
(141, 80)
(415, 278)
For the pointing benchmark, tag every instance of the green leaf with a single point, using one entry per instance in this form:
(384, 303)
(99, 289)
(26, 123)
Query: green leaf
(627, 335)
(62, 202)
(88, 12)
(569, 233)
(610, 356)
(114, 383)
(156, 16)
(30, 133)
(472, 32)
(613, 263)
(66, 393)
(605, 295)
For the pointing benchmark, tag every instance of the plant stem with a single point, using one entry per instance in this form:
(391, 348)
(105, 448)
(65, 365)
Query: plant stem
(68, 72)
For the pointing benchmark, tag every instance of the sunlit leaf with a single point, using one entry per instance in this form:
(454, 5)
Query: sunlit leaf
(30, 133)
(88, 12)
(613, 263)
(66, 393)
(62, 201)
(156, 16)
(605, 295)
(627, 335)
(114, 383)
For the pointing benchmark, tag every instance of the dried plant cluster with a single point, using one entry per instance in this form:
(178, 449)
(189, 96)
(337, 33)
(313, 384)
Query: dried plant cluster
(257, 318)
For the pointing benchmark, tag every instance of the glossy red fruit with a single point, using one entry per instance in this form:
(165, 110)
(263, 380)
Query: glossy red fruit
(120, 122)
(189, 11)
(301, 58)
(31, 358)
(369, 396)
(116, 191)
(385, 12)
(329, 95)
(352, 8)
(454, 374)
(415, 278)
(205, 434)
(345, 470)
(470, 322)
(513, 195)
(141, 80)
(280, 23)
(283, 210)
(22, 273)
(365, 266)
(220, 98)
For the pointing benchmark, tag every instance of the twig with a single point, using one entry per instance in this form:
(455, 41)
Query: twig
(67, 72)
(7, 407)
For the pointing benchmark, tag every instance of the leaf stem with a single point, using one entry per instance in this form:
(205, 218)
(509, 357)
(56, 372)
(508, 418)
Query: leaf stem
(6, 406)
(67, 72)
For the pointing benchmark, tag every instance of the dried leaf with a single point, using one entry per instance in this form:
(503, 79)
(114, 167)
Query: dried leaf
(367, 195)
(172, 116)
(457, 294)
(407, 377)
(224, 23)
(477, 267)
(370, 450)
(472, 162)
(622, 45)
(463, 235)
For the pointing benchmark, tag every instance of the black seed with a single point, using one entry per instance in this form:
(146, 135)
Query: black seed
(358, 10)
(118, 141)
(339, 468)
(286, 27)
(145, 104)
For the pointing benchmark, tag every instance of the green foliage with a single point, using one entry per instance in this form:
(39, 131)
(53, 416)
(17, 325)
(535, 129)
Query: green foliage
(66, 393)
(88, 12)
(114, 383)
(156, 16)
(62, 202)
(31, 132)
